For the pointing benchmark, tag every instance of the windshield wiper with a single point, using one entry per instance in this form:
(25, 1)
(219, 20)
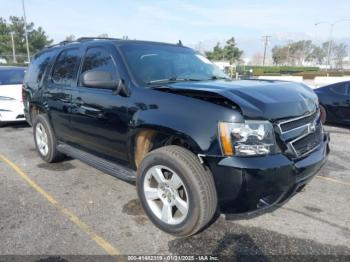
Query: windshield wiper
(219, 77)
(171, 80)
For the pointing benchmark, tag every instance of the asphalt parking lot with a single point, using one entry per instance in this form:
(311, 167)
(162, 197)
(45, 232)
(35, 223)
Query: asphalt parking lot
(70, 208)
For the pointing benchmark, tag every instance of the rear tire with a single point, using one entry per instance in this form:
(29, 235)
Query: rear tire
(323, 114)
(45, 139)
(194, 185)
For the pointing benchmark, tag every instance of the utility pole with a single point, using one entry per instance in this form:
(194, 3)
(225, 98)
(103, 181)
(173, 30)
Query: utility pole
(266, 42)
(13, 48)
(25, 30)
(288, 52)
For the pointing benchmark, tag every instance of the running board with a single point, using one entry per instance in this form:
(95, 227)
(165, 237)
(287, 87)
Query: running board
(98, 163)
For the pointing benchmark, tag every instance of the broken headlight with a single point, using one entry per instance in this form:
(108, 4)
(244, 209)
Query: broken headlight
(250, 138)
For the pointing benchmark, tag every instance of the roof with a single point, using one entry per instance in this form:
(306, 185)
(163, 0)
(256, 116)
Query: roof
(108, 40)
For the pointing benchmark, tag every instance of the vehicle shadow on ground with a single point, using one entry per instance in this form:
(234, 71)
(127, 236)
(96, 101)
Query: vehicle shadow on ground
(226, 238)
(16, 125)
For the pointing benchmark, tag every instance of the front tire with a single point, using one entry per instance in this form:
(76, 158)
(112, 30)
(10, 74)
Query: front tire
(176, 191)
(45, 140)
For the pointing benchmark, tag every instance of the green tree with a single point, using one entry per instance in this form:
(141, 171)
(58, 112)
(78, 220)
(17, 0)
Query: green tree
(319, 54)
(216, 54)
(280, 55)
(229, 52)
(37, 38)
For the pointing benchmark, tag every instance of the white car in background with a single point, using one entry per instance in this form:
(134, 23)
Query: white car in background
(11, 105)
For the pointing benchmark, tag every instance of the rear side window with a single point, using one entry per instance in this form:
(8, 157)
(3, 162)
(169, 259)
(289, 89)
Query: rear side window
(340, 89)
(65, 67)
(37, 68)
(99, 59)
(11, 76)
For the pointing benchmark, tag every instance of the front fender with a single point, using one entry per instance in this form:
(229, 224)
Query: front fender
(187, 117)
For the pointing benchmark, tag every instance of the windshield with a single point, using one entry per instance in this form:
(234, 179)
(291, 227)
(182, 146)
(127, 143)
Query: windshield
(11, 76)
(155, 63)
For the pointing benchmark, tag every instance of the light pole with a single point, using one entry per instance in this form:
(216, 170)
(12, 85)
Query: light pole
(13, 48)
(331, 37)
(25, 30)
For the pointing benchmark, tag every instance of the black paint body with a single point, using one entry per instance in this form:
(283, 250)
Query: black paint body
(335, 99)
(104, 123)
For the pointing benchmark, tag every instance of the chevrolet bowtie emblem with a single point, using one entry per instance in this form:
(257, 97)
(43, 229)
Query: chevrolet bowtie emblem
(312, 127)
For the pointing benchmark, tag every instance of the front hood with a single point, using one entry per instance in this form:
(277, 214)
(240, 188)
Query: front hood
(259, 99)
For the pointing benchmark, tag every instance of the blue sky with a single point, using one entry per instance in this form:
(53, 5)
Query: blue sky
(191, 21)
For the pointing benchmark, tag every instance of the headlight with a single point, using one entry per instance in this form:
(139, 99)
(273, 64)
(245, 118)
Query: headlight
(250, 138)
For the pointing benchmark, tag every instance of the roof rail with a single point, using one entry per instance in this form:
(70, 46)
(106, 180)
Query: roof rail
(81, 39)
(65, 42)
(95, 38)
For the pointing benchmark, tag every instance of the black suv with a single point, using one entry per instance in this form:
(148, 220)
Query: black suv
(195, 141)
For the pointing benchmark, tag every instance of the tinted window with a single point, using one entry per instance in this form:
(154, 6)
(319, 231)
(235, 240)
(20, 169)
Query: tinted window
(38, 67)
(11, 76)
(99, 59)
(339, 89)
(65, 67)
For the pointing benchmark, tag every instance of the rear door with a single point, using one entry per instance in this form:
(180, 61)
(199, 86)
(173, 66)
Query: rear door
(58, 91)
(100, 116)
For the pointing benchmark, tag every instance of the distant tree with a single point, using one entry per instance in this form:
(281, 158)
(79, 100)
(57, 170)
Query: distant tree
(339, 53)
(70, 38)
(103, 35)
(216, 54)
(280, 55)
(229, 52)
(256, 59)
(37, 37)
(319, 54)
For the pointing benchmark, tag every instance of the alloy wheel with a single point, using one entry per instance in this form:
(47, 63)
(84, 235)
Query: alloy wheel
(166, 194)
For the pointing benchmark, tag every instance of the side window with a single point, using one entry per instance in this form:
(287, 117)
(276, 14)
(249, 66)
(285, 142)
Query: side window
(339, 89)
(99, 59)
(37, 68)
(65, 67)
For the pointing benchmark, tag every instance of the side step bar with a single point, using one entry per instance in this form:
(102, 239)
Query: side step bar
(98, 163)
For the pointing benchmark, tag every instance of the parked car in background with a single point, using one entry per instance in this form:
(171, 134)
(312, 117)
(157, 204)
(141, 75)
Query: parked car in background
(163, 115)
(11, 104)
(335, 103)
(3, 61)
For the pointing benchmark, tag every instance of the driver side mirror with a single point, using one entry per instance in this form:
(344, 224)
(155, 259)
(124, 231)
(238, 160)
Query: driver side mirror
(99, 79)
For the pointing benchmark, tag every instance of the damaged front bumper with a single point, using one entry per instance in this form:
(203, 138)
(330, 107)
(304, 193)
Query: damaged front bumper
(249, 186)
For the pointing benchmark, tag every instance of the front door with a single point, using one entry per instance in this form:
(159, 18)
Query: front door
(99, 116)
(341, 97)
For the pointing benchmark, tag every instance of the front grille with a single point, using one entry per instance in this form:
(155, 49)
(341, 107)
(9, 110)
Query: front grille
(305, 144)
(288, 125)
(301, 135)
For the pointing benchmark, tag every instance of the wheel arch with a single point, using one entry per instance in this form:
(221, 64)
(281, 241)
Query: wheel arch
(34, 110)
(146, 138)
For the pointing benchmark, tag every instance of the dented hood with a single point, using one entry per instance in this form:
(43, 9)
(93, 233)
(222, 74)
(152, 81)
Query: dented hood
(259, 99)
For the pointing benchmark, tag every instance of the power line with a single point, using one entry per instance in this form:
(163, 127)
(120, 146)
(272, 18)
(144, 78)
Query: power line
(266, 42)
